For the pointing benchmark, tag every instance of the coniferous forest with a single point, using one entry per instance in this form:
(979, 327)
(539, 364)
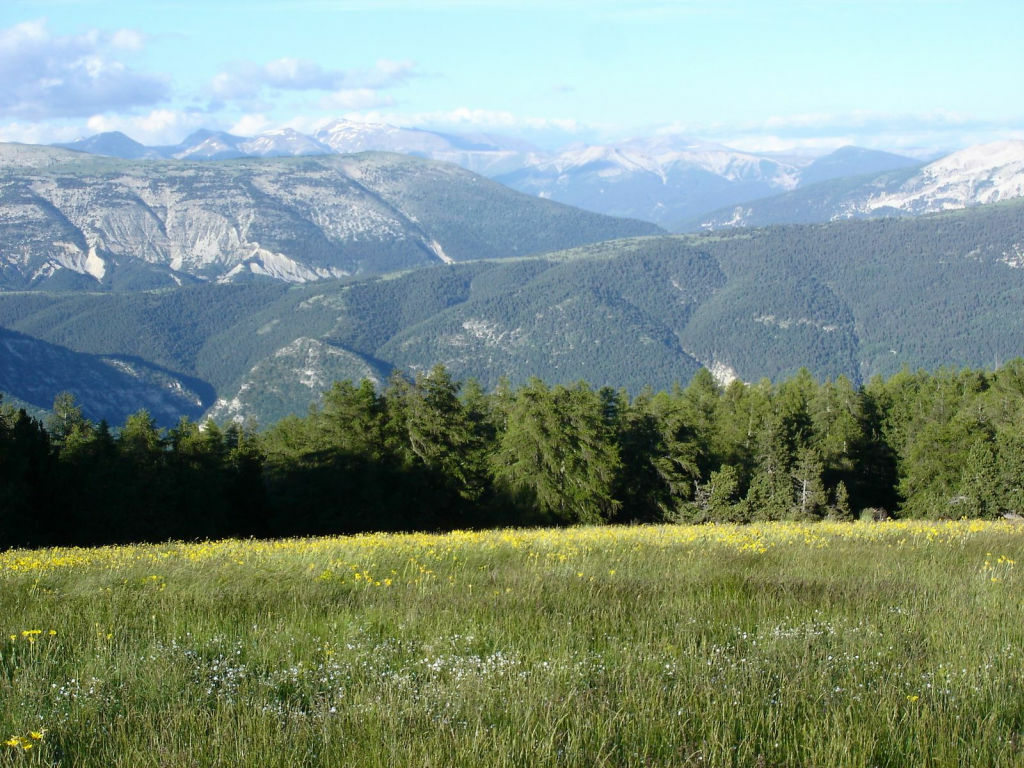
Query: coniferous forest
(432, 453)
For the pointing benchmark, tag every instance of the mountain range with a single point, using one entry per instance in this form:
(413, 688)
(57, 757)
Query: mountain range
(676, 182)
(856, 298)
(75, 221)
(239, 288)
(666, 179)
(978, 175)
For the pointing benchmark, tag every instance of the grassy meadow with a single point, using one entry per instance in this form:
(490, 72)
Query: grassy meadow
(783, 644)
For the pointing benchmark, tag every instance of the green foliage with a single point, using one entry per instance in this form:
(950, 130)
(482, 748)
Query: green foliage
(26, 463)
(840, 509)
(555, 451)
(428, 453)
(847, 301)
(657, 470)
(718, 499)
(442, 433)
(809, 498)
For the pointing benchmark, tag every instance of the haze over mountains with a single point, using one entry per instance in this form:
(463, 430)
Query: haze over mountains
(664, 179)
(978, 175)
(674, 181)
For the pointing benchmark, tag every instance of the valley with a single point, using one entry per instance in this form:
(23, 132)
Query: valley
(857, 298)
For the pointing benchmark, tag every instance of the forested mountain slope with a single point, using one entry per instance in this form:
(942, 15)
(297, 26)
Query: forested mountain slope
(857, 298)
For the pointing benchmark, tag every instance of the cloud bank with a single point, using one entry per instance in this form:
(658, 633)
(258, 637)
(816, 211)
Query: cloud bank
(246, 80)
(48, 76)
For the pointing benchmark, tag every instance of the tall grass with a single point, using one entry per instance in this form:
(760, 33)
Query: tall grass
(778, 645)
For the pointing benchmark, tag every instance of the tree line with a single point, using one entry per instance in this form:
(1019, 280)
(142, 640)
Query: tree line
(431, 453)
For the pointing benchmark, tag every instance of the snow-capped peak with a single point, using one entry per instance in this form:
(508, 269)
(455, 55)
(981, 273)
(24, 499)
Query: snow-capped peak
(613, 157)
(283, 142)
(662, 155)
(984, 173)
(981, 159)
(351, 136)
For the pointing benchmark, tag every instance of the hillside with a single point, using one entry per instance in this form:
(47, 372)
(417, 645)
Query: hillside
(114, 385)
(664, 178)
(978, 175)
(857, 298)
(70, 221)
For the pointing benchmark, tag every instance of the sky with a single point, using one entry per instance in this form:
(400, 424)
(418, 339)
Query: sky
(918, 77)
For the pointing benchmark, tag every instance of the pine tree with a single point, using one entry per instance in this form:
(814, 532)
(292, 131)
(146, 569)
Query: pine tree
(351, 420)
(770, 495)
(979, 483)
(841, 509)
(655, 473)
(66, 420)
(716, 500)
(808, 491)
(26, 467)
(441, 435)
(556, 450)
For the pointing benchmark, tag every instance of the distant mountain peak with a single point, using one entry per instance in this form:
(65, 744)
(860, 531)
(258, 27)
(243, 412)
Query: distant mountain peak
(669, 179)
(980, 158)
(70, 221)
(978, 175)
(204, 134)
(853, 161)
(110, 144)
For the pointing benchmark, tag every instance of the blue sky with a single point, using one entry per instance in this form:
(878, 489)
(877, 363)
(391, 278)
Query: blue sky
(917, 76)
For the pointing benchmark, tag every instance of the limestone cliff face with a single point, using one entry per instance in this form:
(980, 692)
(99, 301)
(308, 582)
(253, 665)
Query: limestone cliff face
(72, 220)
(978, 175)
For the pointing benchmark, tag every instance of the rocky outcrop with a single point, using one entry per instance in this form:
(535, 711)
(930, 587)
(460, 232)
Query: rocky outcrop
(72, 220)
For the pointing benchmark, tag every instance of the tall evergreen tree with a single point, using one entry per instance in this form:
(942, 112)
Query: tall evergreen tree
(351, 420)
(441, 435)
(770, 495)
(26, 474)
(555, 450)
(140, 447)
(717, 499)
(837, 427)
(979, 493)
(840, 509)
(809, 499)
(654, 477)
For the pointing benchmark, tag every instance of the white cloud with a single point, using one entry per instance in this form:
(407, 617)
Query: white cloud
(128, 39)
(40, 133)
(51, 76)
(234, 85)
(919, 135)
(386, 74)
(246, 80)
(251, 125)
(357, 98)
(160, 126)
(300, 75)
(465, 118)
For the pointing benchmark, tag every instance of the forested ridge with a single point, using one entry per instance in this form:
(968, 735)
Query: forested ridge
(432, 453)
(856, 298)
